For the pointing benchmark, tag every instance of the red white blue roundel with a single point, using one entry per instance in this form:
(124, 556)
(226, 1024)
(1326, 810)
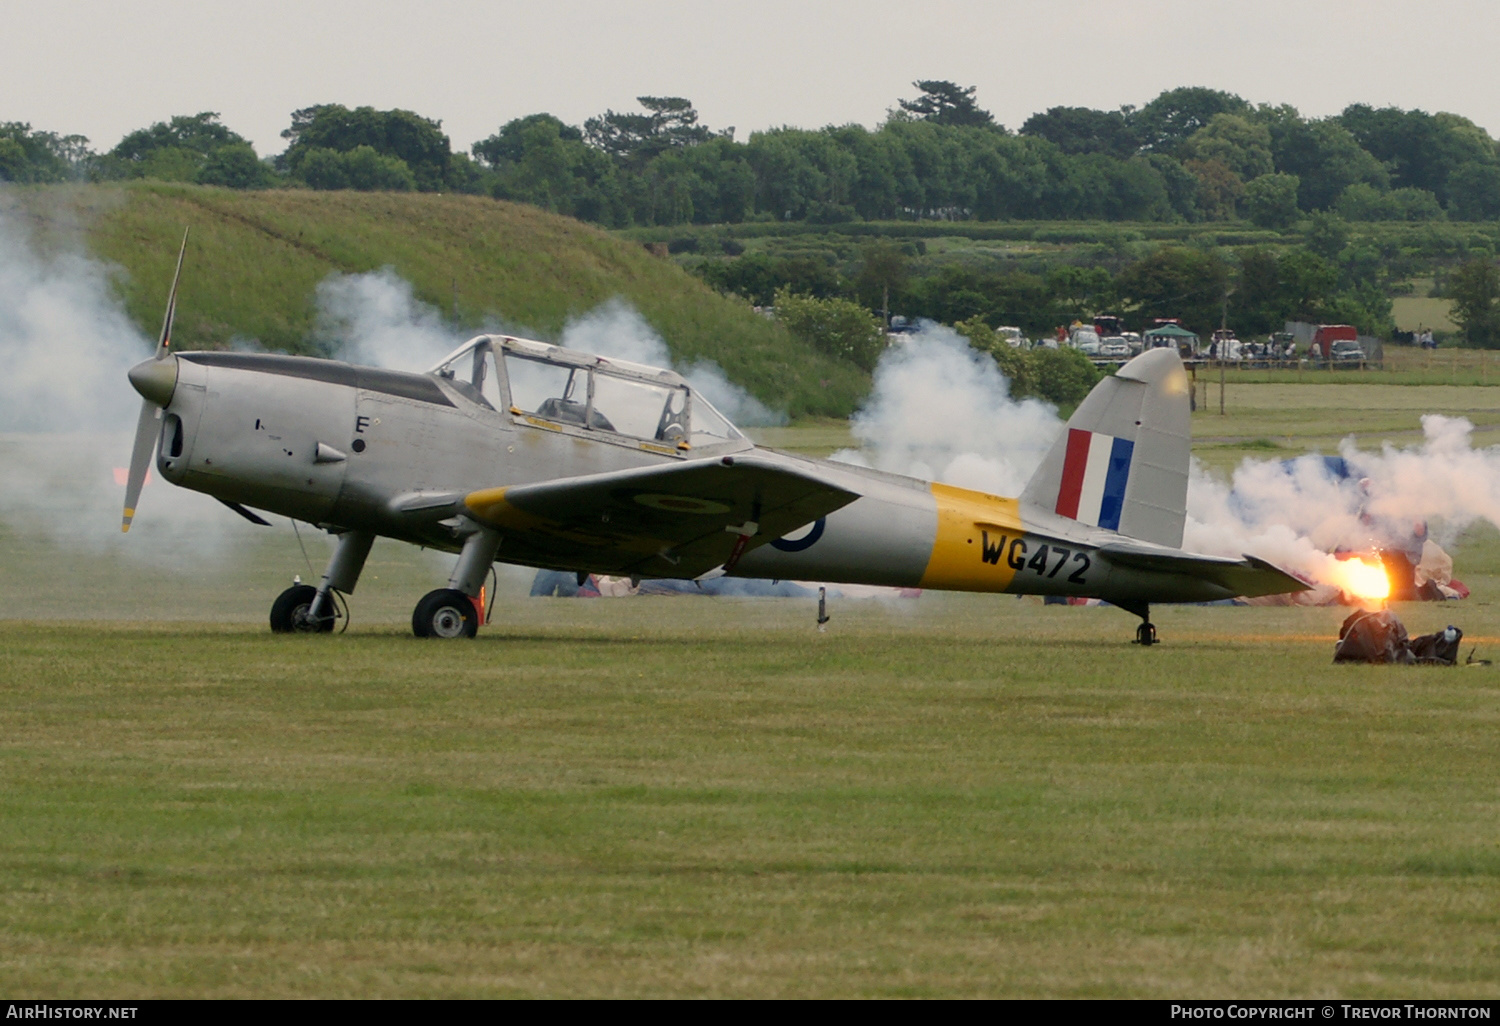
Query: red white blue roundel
(680, 504)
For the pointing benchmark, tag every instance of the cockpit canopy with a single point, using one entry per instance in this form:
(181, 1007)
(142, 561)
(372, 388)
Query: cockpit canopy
(581, 390)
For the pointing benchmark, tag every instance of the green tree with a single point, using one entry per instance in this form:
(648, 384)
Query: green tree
(1084, 130)
(415, 141)
(669, 122)
(34, 156)
(1421, 150)
(1164, 123)
(946, 103)
(1177, 282)
(835, 327)
(1475, 290)
(882, 271)
(1327, 234)
(1219, 188)
(1240, 144)
(1271, 200)
(1322, 154)
(1474, 192)
(235, 166)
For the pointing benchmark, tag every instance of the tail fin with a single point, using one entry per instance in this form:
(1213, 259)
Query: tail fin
(1122, 463)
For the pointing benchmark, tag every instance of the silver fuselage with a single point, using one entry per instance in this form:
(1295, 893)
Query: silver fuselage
(354, 448)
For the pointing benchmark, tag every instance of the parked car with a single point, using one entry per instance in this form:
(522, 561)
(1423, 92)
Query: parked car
(1114, 348)
(1085, 340)
(1346, 353)
(1013, 337)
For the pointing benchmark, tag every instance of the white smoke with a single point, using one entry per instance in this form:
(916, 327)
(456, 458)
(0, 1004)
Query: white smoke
(614, 329)
(68, 415)
(376, 319)
(941, 411)
(1295, 513)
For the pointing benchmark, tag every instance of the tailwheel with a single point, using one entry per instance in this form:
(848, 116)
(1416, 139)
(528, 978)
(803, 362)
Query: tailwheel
(445, 613)
(1145, 634)
(290, 613)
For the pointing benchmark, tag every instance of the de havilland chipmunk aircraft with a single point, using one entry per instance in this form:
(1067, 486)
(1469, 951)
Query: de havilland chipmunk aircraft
(534, 454)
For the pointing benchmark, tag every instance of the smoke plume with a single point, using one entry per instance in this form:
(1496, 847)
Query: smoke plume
(376, 319)
(941, 411)
(68, 414)
(1296, 512)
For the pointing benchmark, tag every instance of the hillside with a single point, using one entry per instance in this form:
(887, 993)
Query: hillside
(256, 259)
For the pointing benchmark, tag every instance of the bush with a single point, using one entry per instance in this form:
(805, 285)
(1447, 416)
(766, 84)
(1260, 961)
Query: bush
(1271, 200)
(361, 168)
(1064, 376)
(835, 327)
(235, 166)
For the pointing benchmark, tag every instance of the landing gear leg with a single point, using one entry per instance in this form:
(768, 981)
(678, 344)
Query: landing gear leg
(1145, 634)
(451, 612)
(301, 608)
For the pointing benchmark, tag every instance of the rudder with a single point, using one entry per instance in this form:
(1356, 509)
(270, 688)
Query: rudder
(1122, 462)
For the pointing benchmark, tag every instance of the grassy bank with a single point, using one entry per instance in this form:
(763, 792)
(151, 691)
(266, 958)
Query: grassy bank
(256, 259)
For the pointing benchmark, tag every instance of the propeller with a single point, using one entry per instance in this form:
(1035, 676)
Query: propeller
(155, 379)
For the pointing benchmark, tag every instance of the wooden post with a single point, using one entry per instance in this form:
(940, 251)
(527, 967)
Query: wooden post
(1221, 385)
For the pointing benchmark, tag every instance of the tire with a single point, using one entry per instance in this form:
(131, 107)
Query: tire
(445, 613)
(289, 612)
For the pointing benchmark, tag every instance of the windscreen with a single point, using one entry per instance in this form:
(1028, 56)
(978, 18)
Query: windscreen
(709, 425)
(639, 409)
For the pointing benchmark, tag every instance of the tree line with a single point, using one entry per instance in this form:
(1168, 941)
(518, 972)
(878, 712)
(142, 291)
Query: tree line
(1191, 154)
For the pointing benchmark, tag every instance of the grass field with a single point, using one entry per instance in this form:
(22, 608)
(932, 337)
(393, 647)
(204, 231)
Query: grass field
(952, 796)
(672, 797)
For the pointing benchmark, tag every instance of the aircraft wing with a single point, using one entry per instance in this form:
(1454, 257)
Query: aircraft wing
(674, 520)
(1248, 575)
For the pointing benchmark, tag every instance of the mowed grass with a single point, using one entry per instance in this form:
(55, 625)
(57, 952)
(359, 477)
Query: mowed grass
(959, 796)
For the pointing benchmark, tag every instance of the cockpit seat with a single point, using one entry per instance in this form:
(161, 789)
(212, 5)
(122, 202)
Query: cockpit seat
(569, 412)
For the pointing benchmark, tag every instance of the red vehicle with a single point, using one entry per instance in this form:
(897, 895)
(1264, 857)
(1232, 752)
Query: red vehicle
(1328, 334)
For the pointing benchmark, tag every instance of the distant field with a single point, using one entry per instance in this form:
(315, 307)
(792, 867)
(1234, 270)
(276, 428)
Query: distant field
(1283, 420)
(1412, 313)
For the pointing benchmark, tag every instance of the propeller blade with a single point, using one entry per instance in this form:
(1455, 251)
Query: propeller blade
(146, 428)
(140, 459)
(165, 342)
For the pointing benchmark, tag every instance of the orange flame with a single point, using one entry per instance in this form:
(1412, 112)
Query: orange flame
(1361, 579)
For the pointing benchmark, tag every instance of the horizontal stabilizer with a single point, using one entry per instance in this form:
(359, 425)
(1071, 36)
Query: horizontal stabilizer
(1248, 575)
(671, 520)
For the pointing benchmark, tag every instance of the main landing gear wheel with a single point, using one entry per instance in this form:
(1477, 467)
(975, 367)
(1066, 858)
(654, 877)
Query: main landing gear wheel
(445, 613)
(289, 612)
(1145, 634)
